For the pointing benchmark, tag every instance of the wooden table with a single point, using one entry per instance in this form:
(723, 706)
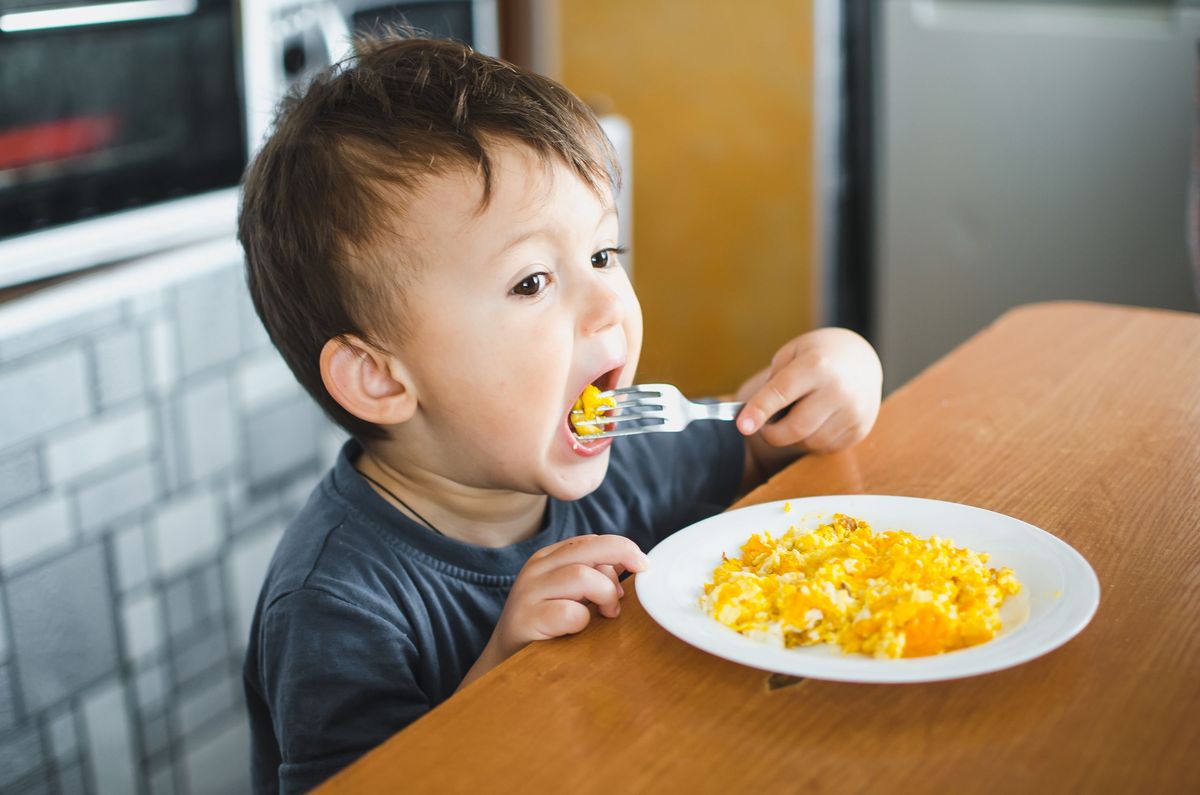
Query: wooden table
(1082, 419)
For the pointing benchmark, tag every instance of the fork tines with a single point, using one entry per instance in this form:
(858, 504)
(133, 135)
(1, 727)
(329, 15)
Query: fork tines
(633, 404)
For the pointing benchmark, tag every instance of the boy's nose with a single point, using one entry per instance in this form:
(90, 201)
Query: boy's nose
(605, 308)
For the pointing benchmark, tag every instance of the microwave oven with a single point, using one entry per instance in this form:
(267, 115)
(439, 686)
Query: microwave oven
(125, 126)
(122, 130)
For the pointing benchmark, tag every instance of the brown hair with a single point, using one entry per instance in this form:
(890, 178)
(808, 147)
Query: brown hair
(326, 191)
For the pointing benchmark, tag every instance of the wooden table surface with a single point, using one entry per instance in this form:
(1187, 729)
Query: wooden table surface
(1082, 419)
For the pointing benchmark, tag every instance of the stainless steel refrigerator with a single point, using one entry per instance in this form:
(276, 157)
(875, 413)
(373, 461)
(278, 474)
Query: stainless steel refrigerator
(1025, 151)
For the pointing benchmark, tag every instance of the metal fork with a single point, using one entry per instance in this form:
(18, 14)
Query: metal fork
(652, 408)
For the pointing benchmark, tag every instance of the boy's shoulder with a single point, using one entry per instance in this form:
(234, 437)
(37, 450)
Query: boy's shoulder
(330, 546)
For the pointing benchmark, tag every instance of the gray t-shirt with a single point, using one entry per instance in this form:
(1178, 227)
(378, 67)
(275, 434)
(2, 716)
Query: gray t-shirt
(367, 619)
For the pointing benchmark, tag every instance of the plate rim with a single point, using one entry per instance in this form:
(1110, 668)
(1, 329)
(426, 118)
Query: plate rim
(1057, 627)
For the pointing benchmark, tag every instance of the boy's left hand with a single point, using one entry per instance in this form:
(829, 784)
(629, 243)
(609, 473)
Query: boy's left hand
(835, 380)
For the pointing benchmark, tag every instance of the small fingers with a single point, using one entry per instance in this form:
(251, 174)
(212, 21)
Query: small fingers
(790, 384)
(612, 573)
(579, 582)
(556, 617)
(806, 418)
(590, 550)
(835, 436)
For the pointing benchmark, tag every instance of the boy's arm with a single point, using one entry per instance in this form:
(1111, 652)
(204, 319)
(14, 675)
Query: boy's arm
(834, 379)
(337, 680)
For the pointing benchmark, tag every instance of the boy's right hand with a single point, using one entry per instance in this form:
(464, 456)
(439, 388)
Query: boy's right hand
(551, 595)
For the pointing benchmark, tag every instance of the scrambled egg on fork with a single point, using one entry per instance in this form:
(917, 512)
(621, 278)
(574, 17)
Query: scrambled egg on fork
(890, 594)
(585, 408)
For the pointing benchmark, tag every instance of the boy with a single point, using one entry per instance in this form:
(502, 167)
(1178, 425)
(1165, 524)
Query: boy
(431, 243)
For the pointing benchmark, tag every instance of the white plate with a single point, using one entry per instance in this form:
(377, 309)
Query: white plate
(1059, 591)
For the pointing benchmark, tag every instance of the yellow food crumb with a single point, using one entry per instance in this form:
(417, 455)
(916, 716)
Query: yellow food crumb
(787, 507)
(585, 409)
(889, 594)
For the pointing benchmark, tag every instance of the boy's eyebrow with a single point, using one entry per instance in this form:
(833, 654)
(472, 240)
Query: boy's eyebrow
(541, 230)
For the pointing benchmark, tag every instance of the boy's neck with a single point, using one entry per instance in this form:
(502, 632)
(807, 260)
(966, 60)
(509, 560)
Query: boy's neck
(485, 517)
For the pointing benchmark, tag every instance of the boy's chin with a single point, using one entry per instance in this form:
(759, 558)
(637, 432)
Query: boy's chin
(580, 481)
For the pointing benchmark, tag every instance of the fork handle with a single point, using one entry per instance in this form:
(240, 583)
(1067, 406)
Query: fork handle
(730, 410)
(721, 411)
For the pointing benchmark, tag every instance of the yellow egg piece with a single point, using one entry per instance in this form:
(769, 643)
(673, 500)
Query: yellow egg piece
(585, 408)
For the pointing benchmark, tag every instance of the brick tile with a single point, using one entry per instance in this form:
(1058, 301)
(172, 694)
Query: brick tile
(120, 366)
(151, 687)
(8, 707)
(20, 475)
(163, 345)
(131, 556)
(208, 328)
(254, 337)
(156, 735)
(249, 510)
(3, 629)
(186, 532)
(209, 592)
(180, 609)
(34, 531)
(53, 335)
(162, 780)
(114, 497)
(38, 785)
(43, 394)
(264, 380)
(101, 442)
(200, 656)
(246, 569)
(281, 439)
(219, 764)
(151, 303)
(171, 456)
(62, 626)
(63, 734)
(71, 780)
(20, 756)
(205, 703)
(207, 419)
(109, 740)
(141, 620)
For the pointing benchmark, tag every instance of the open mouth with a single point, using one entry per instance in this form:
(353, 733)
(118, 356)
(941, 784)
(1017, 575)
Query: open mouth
(586, 407)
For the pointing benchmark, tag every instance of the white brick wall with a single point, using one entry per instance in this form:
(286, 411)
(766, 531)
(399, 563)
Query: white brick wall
(34, 531)
(186, 531)
(42, 394)
(142, 463)
(98, 443)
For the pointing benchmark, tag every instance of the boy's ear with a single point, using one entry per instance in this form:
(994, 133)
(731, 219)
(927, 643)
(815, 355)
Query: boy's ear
(366, 382)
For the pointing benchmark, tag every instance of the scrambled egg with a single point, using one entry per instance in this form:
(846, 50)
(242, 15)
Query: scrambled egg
(585, 409)
(887, 595)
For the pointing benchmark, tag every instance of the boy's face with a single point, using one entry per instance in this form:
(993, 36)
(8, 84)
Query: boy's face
(515, 310)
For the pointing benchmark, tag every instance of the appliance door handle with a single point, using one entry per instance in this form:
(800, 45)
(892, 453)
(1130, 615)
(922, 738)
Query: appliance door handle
(335, 33)
(1161, 17)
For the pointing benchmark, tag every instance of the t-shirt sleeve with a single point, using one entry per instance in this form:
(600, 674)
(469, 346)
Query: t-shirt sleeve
(684, 477)
(340, 679)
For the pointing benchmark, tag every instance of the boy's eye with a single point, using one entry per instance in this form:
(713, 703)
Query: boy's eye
(532, 284)
(603, 258)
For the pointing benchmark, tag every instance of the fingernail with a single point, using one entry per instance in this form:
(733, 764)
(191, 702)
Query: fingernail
(746, 425)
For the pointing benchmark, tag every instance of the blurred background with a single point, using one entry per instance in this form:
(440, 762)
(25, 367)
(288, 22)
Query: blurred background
(910, 169)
